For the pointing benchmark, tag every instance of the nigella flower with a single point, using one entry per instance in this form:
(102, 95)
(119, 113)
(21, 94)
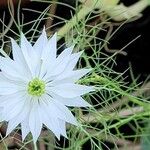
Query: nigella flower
(36, 86)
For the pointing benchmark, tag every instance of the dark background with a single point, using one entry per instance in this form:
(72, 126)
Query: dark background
(138, 53)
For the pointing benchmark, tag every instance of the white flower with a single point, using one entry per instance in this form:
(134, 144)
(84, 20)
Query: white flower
(36, 86)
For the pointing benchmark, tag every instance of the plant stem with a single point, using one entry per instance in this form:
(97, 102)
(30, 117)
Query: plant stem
(35, 146)
(87, 7)
(75, 19)
(113, 87)
(116, 12)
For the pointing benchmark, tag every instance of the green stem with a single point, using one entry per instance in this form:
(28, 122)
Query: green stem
(113, 87)
(35, 146)
(87, 7)
(109, 7)
(67, 27)
(3, 53)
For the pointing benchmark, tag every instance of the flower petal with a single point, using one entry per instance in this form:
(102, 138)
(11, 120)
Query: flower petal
(13, 122)
(29, 54)
(19, 58)
(25, 128)
(12, 125)
(48, 55)
(64, 113)
(35, 123)
(1, 114)
(15, 103)
(13, 69)
(63, 128)
(59, 110)
(40, 44)
(9, 87)
(69, 90)
(16, 51)
(66, 53)
(76, 102)
(60, 64)
(50, 49)
(73, 61)
(71, 76)
(49, 119)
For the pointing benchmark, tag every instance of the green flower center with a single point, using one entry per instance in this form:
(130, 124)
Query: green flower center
(36, 87)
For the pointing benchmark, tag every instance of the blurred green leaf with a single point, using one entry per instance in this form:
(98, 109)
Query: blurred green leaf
(148, 1)
(145, 141)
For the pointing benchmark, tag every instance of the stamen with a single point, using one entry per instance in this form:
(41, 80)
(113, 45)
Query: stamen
(36, 87)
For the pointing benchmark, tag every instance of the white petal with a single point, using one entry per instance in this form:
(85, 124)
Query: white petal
(10, 79)
(52, 124)
(17, 54)
(63, 128)
(1, 114)
(71, 76)
(29, 54)
(66, 53)
(73, 61)
(60, 111)
(76, 102)
(13, 123)
(49, 119)
(49, 55)
(35, 122)
(69, 90)
(50, 49)
(19, 118)
(8, 87)
(13, 69)
(25, 120)
(59, 65)
(19, 58)
(40, 44)
(65, 112)
(25, 128)
(13, 105)
(10, 98)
